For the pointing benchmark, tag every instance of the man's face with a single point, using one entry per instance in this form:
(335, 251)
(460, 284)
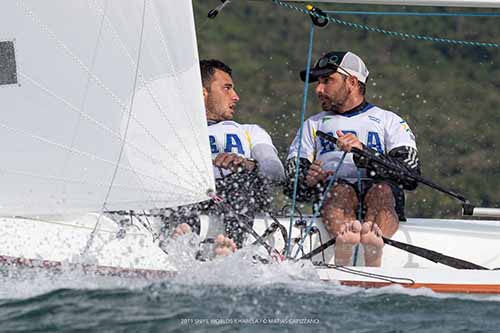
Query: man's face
(332, 92)
(220, 98)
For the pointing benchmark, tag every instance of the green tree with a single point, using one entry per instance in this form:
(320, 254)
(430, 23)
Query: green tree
(449, 94)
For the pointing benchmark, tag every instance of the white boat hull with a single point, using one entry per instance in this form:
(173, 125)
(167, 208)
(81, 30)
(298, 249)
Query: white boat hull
(473, 241)
(59, 244)
(458, 281)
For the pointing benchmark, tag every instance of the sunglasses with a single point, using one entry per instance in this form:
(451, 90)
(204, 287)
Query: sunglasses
(331, 60)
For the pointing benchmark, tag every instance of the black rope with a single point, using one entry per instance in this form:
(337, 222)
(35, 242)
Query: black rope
(287, 207)
(319, 249)
(387, 278)
(134, 213)
(321, 244)
(271, 250)
(282, 228)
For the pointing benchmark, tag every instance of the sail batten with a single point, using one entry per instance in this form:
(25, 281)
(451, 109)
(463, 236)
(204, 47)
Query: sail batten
(65, 114)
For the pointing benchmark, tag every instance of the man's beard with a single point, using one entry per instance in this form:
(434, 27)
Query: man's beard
(216, 108)
(337, 101)
(335, 105)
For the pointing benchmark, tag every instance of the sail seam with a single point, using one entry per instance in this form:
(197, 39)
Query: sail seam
(107, 130)
(153, 96)
(180, 90)
(122, 148)
(99, 82)
(79, 181)
(82, 153)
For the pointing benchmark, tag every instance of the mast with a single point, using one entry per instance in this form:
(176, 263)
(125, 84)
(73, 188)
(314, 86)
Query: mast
(433, 3)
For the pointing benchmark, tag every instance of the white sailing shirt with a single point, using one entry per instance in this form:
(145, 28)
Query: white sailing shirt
(377, 128)
(232, 137)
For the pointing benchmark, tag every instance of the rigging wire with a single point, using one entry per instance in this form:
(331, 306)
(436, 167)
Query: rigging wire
(319, 14)
(139, 53)
(317, 208)
(388, 32)
(299, 148)
(147, 85)
(429, 14)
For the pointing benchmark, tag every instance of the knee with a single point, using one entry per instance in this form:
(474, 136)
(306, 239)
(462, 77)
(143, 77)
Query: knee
(334, 218)
(381, 196)
(341, 196)
(339, 207)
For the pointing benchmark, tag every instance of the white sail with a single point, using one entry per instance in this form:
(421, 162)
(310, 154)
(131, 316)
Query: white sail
(101, 107)
(434, 3)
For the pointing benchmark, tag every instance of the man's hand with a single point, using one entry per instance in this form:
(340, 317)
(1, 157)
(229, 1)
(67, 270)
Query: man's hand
(316, 174)
(348, 141)
(233, 162)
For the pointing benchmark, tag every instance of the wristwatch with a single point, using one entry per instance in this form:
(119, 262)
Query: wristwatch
(254, 162)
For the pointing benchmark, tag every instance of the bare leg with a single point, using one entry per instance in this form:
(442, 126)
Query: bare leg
(339, 218)
(381, 220)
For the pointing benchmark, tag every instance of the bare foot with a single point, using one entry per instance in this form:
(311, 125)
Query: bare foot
(181, 229)
(371, 238)
(224, 246)
(349, 233)
(348, 236)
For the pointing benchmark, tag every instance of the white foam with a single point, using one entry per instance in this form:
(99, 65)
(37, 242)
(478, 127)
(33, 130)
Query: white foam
(239, 270)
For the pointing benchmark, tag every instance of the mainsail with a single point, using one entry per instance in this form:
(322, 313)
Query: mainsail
(101, 107)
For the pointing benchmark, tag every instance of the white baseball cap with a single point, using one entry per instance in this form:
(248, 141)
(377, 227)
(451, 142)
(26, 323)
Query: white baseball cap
(346, 63)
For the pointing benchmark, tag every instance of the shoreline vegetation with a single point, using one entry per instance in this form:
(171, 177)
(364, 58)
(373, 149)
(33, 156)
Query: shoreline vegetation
(448, 94)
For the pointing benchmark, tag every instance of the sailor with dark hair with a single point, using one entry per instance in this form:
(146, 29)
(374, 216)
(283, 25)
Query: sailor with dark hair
(341, 85)
(245, 161)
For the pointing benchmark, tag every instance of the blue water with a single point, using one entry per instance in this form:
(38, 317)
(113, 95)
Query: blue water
(231, 295)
